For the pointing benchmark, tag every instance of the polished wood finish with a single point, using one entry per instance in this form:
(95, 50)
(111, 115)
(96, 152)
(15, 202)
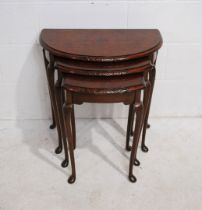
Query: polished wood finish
(101, 45)
(103, 69)
(100, 66)
(102, 85)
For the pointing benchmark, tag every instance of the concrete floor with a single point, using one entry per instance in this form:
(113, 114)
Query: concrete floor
(169, 178)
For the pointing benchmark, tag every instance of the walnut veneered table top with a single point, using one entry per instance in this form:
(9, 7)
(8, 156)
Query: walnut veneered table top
(101, 44)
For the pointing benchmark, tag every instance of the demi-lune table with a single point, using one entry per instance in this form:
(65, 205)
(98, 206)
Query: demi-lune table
(100, 66)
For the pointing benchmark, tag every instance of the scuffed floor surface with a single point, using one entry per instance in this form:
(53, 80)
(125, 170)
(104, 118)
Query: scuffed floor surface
(169, 177)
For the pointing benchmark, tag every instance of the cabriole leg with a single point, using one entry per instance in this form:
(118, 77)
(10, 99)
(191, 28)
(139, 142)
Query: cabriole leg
(67, 111)
(138, 125)
(147, 98)
(58, 96)
(49, 65)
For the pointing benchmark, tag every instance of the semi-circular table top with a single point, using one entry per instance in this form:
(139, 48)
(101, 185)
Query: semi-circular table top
(101, 45)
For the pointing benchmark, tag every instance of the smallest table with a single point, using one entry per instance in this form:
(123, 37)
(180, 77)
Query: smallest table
(100, 66)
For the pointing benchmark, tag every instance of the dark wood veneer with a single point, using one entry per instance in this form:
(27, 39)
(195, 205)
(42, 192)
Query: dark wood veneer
(101, 45)
(100, 66)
